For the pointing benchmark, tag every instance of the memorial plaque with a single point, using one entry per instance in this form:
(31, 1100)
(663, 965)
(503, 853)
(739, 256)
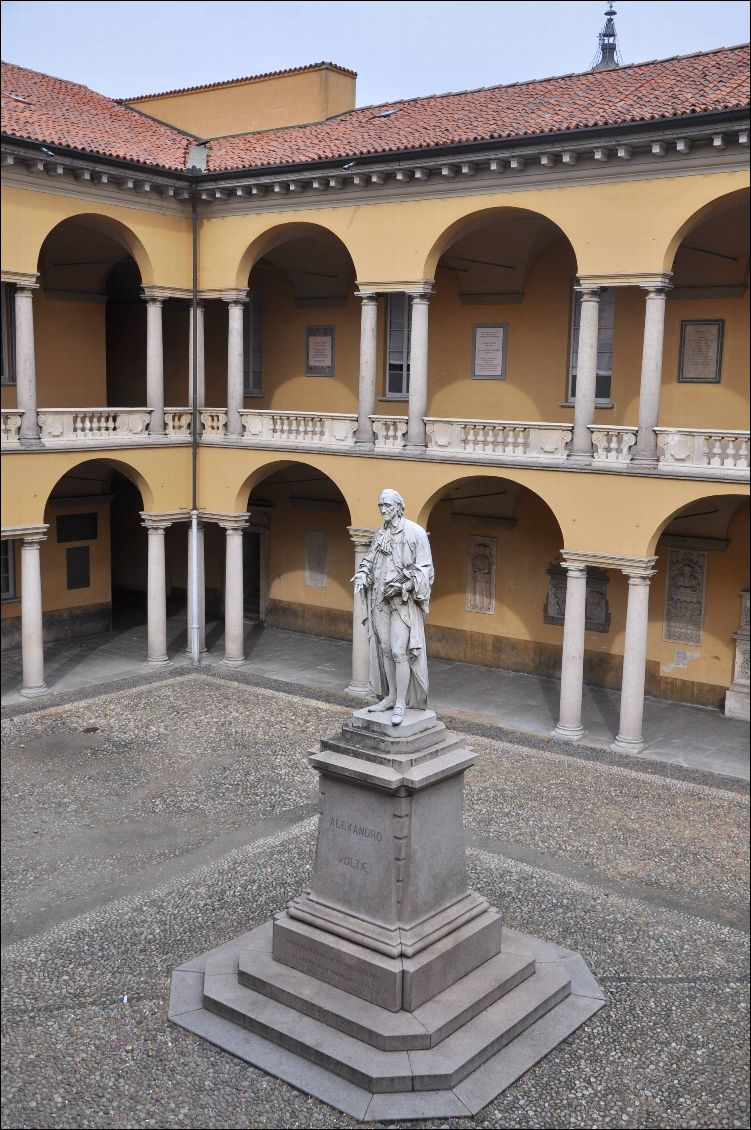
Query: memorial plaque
(489, 352)
(319, 351)
(701, 351)
(316, 559)
(77, 567)
(480, 584)
(684, 596)
(597, 612)
(77, 527)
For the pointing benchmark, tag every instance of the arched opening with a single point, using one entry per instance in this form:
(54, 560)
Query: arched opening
(301, 325)
(705, 354)
(501, 318)
(90, 319)
(297, 554)
(696, 600)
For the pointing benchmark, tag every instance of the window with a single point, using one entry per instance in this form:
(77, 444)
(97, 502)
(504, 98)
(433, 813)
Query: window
(604, 345)
(252, 351)
(77, 567)
(399, 325)
(8, 376)
(8, 570)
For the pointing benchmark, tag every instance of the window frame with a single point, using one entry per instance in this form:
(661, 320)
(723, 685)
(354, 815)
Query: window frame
(253, 345)
(575, 321)
(12, 593)
(403, 394)
(8, 315)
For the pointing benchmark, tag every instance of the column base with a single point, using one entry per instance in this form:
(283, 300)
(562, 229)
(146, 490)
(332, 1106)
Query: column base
(579, 459)
(34, 692)
(414, 448)
(359, 690)
(30, 441)
(234, 662)
(628, 745)
(157, 662)
(367, 444)
(645, 462)
(568, 733)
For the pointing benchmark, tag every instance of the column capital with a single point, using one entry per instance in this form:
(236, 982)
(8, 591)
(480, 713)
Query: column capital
(21, 279)
(626, 278)
(421, 293)
(638, 566)
(232, 523)
(156, 291)
(28, 533)
(234, 297)
(657, 289)
(162, 521)
(574, 568)
(367, 295)
(638, 576)
(361, 536)
(152, 299)
(590, 292)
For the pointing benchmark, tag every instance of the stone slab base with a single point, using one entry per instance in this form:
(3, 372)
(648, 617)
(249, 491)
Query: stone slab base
(737, 703)
(448, 1058)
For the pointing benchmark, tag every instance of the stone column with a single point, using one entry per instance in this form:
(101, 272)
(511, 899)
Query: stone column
(154, 365)
(360, 640)
(651, 374)
(201, 591)
(586, 373)
(234, 624)
(157, 591)
(368, 352)
(569, 728)
(418, 371)
(32, 638)
(26, 381)
(201, 358)
(630, 739)
(235, 368)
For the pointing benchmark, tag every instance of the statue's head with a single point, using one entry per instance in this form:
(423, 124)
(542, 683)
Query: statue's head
(390, 504)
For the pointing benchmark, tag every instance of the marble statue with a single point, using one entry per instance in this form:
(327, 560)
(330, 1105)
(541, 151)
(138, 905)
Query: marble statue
(395, 578)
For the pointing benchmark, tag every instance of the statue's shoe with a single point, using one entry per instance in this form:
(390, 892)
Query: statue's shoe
(398, 716)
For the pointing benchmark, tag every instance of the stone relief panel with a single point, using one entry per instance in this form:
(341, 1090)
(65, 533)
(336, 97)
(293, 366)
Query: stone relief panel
(316, 559)
(684, 596)
(597, 614)
(480, 584)
(742, 645)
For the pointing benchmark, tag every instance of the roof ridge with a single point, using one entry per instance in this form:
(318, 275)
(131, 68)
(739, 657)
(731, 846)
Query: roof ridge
(56, 78)
(242, 78)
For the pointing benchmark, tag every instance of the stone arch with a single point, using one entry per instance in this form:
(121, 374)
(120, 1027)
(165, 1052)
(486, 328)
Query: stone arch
(696, 217)
(266, 470)
(504, 473)
(277, 235)
(128, 470)
(714, 521)
(115, 230)
(475, 220)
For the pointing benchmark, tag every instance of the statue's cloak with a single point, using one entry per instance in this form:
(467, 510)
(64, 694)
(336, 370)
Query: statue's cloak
(401, 552)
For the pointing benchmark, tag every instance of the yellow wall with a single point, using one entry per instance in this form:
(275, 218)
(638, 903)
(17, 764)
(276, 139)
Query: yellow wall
(70, 346)
(55, 594)
(255, 103)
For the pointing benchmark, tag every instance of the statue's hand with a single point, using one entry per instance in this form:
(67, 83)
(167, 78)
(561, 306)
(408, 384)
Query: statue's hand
(360, 584)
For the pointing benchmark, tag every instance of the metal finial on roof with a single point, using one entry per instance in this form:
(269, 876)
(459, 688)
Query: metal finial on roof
(607, 56)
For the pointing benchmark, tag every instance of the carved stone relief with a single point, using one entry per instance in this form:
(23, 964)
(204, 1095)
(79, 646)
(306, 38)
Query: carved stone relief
(597, 614)
(739, 694)
(316, 559)
(684, 596)
(480, 584)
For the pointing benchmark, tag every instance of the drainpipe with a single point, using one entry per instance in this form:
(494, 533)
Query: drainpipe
(193, 580)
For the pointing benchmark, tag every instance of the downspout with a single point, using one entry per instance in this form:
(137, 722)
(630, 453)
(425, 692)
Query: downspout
(194, 579)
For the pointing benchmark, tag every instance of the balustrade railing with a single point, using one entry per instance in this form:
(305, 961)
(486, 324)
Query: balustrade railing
(511, 440)
(334, 429)
(389, 431)
(612, 445)
(178, 422)
(87, 425)
(11, 426)
(703, 448)
(213, 423)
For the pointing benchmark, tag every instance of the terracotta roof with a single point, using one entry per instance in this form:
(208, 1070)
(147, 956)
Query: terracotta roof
(38, 107)
(246, 78)
(54, 111)
(664, 89)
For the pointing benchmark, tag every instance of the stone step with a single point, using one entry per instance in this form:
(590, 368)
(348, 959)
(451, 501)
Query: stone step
(389, 1031)
(396, 758)
(385, 1072)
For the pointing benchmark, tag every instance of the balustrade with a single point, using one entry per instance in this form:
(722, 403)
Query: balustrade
(612, 445)
(11, 427)
(336, 429)
(703, 448)
(389, 431)
(178, 422)
(214, 423)
(502, 439)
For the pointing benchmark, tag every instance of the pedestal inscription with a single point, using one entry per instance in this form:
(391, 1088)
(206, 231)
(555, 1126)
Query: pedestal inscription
(684, 596)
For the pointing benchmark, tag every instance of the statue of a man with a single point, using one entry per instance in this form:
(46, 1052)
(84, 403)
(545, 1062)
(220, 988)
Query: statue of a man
(395, 577)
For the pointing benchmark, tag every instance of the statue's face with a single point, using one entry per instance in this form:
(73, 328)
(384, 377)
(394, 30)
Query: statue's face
(388, 507)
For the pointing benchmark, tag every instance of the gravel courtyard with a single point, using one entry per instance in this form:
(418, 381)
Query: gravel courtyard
(149, 822)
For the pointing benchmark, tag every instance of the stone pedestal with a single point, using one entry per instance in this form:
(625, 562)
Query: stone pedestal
(389, 988)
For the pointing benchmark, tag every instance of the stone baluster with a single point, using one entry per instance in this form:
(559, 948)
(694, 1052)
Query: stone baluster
(234, 621)
(32, 633)
(630, 738)
(235, 361)
(645, 451)
(358, 686)
(586, 373)
(368, 353)
(26, 382)
(569, 726)
(418, 371)
(154, 363)
(200, 359)
(156, 597)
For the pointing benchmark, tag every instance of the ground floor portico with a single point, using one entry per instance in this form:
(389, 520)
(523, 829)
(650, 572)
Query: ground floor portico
(678, 734)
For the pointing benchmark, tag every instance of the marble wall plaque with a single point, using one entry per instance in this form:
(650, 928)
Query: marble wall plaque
(316, 559)
(480, 583)
(701, 351)
(684, 596)
(597, 611)
(489, 352)
(319, 351)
